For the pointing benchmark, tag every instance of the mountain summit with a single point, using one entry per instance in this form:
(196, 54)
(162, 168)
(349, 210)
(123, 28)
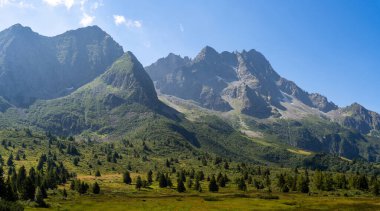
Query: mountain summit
(243, 81)
(35, 67)
(120, 96)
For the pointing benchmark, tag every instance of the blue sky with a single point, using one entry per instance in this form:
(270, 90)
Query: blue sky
(327, 46)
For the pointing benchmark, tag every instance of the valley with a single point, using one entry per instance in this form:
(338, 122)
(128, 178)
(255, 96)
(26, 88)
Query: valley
(222, 131)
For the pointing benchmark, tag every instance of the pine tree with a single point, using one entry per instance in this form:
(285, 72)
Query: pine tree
(40, 164)
(97, 173)
(21, 179)
(168, 181)
(139, 183)
(281, 181)
(43, 191)
(267, 182)
(10, 160)
(150, 177)
(17, 156)
(362, 183)
(180, 186)
(10, 193)
(162, 182)
(213, 187)
(28, 190)
(39, 198)
(285, 188)
(96, 188)
(127, 178)
(200, 175)
(2, 183)
(241, 184)
(302, 184)
(82, 187)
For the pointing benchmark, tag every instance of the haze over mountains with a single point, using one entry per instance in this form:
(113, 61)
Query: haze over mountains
(82, 83)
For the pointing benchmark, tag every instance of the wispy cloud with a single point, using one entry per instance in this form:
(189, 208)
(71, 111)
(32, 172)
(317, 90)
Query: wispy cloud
(87, 20)
(67, 3)
(181, 28)
(15, 3)
(23, 4)
(121, 20)
(88, 11)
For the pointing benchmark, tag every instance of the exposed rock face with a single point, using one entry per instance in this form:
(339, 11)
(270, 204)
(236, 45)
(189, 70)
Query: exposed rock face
(37, 67)
(244, 81)
(357, 117)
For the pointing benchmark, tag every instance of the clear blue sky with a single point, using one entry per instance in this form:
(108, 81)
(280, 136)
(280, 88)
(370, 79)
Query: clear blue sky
(326, 46)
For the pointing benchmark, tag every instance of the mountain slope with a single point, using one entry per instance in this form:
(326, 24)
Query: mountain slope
(35, 67)
(359, 118)
(243, 81)
(122, 103)
(119, 98)
(268, 106)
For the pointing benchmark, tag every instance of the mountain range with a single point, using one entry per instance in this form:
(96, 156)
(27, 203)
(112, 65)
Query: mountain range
(246, 82)
(230, 104)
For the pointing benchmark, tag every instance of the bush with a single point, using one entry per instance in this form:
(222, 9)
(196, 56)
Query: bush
(11, 206)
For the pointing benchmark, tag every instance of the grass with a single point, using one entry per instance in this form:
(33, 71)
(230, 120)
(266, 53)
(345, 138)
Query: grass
(150, 200)
(115, 195)
(300, 152)
(118, 196)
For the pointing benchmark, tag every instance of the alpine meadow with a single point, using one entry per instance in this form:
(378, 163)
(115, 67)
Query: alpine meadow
(130, 105)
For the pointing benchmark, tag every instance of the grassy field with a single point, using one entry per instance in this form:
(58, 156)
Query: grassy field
(118, 196)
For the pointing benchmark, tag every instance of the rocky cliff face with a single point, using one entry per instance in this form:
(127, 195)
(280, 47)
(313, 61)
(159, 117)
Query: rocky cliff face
(243, 81)
(37, 67)
(359, 118)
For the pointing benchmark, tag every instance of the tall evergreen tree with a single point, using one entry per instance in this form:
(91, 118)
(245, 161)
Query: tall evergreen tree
(2, 183)
(10, 160)
(180, 186)
(213, 186)
(162, 182)
(241, 184)
(303, 184)
(10, 192)
(96, 188)
(39, 198)
(29, 190)
(150, 177)
(97, 173)
(127, 178)
(139, 183)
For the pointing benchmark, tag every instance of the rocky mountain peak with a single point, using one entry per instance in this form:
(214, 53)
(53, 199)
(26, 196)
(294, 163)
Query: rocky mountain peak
(217, 81)
(50, 67)
(19, 28)
(207, 54)
(128, 75)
